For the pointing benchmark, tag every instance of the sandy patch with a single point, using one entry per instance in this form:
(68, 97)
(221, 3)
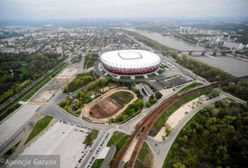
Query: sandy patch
(178, 115)
(44, 97)
(129, 153)
(67, 73)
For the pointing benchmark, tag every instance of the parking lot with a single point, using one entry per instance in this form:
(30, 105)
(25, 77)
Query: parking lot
(62, 139)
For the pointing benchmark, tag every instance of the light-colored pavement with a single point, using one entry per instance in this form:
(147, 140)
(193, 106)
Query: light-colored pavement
(60, 139)
(10, 128)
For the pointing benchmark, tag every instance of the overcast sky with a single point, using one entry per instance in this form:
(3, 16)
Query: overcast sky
(81, 9)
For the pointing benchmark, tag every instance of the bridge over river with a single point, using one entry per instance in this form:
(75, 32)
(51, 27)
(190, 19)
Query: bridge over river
(204, 52)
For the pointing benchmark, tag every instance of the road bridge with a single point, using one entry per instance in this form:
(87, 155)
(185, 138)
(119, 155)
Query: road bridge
(204, 52)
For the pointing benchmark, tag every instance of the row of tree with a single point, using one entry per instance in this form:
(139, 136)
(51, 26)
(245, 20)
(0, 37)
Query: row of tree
(18, 70)
(238, 88)
(84, 96)
(79, 81)
(130, 111)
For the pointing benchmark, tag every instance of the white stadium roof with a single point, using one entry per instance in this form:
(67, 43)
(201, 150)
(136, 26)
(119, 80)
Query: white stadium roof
(130, 59)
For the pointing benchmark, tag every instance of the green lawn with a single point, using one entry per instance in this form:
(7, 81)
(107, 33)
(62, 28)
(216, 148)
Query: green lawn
(190, 86)
(97, 163)
(39, 126)
(122, 97)
(165, 115)
(145, 156)
(143, 151)
(118, 139)
(25, 96)
(91, 137)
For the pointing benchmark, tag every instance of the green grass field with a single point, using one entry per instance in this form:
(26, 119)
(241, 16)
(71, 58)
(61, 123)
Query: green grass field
(145, 156)
(144, 151)
(39, 126)
(122, 97)
(118, 139)
(190, 86)
(97, 163)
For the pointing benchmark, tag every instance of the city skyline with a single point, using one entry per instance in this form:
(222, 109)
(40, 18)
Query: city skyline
(95, 9)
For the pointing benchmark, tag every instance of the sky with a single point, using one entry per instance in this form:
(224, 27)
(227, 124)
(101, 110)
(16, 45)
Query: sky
(100, 9)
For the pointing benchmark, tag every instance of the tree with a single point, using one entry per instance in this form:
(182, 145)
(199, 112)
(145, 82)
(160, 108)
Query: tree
(178, 165)
(168, 129)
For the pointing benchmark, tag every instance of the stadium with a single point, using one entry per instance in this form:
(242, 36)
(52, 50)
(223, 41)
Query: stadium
(130, 62)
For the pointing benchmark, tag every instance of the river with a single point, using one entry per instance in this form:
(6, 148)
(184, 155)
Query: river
(231, 65)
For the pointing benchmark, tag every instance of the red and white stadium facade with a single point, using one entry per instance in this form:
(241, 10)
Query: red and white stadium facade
(130, 62)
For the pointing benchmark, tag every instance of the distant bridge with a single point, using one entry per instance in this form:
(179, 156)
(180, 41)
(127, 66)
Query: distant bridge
(204, 52)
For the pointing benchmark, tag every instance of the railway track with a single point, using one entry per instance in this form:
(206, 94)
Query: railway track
(143, 128)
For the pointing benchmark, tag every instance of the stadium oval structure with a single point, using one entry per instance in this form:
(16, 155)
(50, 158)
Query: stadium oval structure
(130, 62)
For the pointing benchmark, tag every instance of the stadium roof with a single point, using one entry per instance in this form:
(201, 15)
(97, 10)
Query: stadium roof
(130, 59)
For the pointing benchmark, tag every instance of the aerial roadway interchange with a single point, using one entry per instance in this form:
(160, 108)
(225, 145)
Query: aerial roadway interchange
(68, 135)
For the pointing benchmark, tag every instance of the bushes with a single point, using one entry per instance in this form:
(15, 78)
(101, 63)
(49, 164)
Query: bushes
(83, 96)
(91, 137)
(238, 89)
(132, 110)
(18, 71)
(79, 81)
(90, 59)
(153, 99)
